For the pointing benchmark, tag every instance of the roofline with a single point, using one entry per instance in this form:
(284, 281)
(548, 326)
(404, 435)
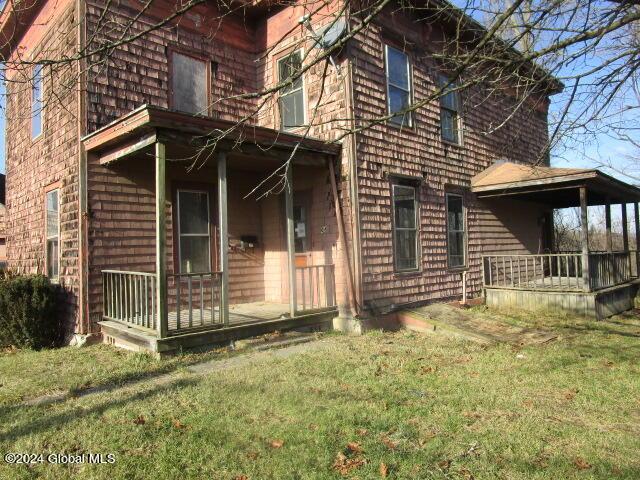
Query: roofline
(16, 20)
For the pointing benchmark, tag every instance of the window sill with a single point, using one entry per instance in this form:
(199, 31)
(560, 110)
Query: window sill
(403, 128)
(407, 273)
(451, 143)
(461, 269)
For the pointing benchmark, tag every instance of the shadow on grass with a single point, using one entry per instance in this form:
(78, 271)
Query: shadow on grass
(42, 423)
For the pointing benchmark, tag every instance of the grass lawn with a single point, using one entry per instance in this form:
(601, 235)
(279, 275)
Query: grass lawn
(399, 405)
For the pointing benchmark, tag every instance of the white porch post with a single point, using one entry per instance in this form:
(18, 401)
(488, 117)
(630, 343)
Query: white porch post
(607, 215)
(224, 237)
(584, 238)
(291, 247)
(161, 240)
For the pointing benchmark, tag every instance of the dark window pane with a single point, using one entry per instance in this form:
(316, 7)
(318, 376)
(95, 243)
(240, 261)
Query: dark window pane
(287, 68)
(398, 68)
(398, 101)
(52, 258)
(194, 254)
(455, 220)
(52, 214)
(292, 109)
(36, 102)
(405, 244)
(194, 212)
(456, 231)
(405, 207)
(449, 125)
(300, 228)
(189, 84)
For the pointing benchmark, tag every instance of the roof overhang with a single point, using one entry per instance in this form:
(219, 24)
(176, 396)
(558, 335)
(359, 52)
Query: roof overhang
(554, 187)
(140, 128)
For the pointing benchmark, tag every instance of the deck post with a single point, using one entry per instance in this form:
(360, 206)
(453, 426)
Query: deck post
(607, 215)
(224, 237)
(625, 228)
(584, 239)
(636, 213)
(291, 254)
(161, 240)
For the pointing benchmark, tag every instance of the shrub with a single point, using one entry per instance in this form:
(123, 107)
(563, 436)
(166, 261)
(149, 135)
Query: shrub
(28, 312)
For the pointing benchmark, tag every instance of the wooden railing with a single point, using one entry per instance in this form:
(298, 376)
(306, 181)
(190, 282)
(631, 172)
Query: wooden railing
(193, 300)
(545, 271)
(129, 297)
(607, 269)
(315, 287)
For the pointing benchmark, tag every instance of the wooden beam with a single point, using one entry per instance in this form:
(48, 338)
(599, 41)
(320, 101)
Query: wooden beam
(161, 241)
(128, 148)
(224, 237)
(291, 248)
(607, 217)
(625, 228)
(584, 238)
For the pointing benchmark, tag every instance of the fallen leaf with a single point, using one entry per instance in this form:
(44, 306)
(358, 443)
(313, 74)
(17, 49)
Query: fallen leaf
(344, 465)
(581, 464)
(139, 420)
(384, 470)
(444, 465)
(178, 424)
(240, 477)
(466, 474)
(391, 445)
(277, 443)
(570, 394)
(362, 432)
(528, 404)
(253, 455)
(354, 447)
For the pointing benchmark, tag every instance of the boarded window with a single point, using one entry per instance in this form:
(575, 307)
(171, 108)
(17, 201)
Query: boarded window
(456, 236)
(449, 111)
(36, 102)
(398, 85)
(291, 95)
(189, 82)
(405, 234)
(194, 232)
(53, 234)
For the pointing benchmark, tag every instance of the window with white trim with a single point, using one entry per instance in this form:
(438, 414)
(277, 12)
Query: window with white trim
(52, 233)
(405, 227)
(291, 99)
(189, 79)
(456, 231)
(449, 111)
(36, 102)
(194, 237)
(398, 73)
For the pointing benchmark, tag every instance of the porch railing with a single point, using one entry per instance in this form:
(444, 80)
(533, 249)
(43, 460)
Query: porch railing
(559, 271)
(193, 300)
(129, 297)
(315, 287)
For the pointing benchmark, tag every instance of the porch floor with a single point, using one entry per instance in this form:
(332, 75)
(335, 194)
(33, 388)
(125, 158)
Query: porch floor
(239, 314)
(561, 283)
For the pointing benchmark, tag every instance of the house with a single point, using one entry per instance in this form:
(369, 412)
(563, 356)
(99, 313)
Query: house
(171, 223)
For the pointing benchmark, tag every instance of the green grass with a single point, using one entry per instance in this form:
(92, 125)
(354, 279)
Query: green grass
(424, 406)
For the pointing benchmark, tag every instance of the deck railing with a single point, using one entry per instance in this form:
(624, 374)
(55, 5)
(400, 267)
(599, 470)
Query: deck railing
(545, 271)
(129, 297)
(315, 287)
(559, 271)
(193, 300)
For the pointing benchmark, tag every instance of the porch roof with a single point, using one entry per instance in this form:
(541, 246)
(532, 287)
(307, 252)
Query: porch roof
(555, 187)
(146, 124)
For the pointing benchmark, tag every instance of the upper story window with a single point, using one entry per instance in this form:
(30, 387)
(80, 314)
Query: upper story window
(52, 233)
(291, 101)
(36, 102)
(456, 231)
(189, 84)
(398, 85)
(405, 227)
(449, 111)
(194, 239)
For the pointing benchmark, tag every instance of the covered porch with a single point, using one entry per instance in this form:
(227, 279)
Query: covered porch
(597, 284)
(218, 262)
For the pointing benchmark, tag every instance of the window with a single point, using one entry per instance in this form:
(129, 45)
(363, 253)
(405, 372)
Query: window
(36, 102)
(53, 234)
(193, 231)
(300, 231)
(405, 234)
(449, 112)
(398, 85)
(291, 95)
(189, 82)
(456, 237)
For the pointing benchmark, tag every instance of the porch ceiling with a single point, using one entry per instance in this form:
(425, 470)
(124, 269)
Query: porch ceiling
(184, 134)
(554, 187)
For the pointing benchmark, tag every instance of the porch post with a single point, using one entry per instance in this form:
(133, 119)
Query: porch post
(584, 238)
(161, 240)
(625, 228)
(224, 237)
(607, 215)
(291, 254)
(636, 212)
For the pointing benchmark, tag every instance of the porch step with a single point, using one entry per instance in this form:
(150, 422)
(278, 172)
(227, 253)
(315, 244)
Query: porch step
(131, 338)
